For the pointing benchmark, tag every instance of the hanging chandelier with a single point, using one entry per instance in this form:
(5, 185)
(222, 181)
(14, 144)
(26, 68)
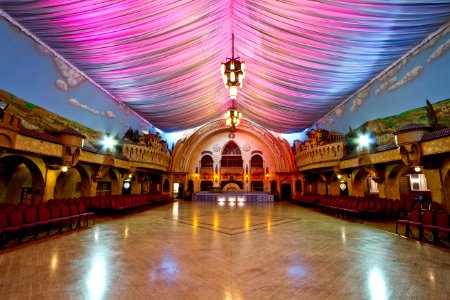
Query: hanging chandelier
(232, 117)
(233, 72)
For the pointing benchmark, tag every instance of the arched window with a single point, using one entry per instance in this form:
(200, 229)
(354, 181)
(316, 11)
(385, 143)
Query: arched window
(231, 156)
(206, 162)
(256, 161)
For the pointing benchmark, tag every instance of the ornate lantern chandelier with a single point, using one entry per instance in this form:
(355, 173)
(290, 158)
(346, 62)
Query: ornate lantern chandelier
(232, 117)
(233, 72)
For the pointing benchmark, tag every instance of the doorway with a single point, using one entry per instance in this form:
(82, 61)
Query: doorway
(286, 191)
(180, 191)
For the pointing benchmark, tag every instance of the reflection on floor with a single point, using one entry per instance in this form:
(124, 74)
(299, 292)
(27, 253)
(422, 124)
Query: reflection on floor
(203, 250)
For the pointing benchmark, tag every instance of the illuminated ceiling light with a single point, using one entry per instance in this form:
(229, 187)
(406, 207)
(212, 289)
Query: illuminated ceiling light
(232, 117)
(64, 169)
(417, 169)
(233, 72)
(108, 142)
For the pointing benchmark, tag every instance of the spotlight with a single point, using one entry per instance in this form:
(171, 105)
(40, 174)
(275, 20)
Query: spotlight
(364, 140)
(108, 142)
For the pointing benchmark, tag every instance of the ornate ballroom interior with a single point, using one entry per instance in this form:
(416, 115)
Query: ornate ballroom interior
(227, 149)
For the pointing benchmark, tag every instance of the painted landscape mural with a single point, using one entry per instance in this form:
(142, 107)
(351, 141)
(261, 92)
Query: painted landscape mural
(384, 128)
(37, 118)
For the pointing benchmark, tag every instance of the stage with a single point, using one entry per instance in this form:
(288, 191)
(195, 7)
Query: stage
(233, 197)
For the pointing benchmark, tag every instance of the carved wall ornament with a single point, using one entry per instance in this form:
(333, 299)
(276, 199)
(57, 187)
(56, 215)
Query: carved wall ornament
(246, 147)
(217, 148)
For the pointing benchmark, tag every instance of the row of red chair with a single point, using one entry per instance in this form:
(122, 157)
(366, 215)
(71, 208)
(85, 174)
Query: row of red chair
(426, 220)
(366, 206)
(105, 202)
(31, 221)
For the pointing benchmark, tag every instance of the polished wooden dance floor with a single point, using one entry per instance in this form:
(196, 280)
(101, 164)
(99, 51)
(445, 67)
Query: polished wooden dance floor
(202, 250)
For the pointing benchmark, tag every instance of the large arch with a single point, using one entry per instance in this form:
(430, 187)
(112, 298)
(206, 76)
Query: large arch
(359, 183)
(214, 137)
(21, 180)
(276, 147)
(72, 184)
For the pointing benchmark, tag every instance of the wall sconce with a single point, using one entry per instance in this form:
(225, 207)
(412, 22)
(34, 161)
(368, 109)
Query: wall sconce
(339, 176)
(196, 173)
(267, 173)
(246, 178)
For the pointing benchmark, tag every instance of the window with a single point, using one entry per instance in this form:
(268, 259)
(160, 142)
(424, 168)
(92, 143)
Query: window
(418, 182)
(206, 162)
(373, 186)
(256, 162)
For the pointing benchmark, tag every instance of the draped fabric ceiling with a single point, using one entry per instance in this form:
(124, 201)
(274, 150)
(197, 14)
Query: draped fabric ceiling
(162, 58)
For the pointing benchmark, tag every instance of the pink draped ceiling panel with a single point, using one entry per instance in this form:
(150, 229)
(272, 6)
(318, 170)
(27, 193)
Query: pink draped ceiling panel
(162, 58)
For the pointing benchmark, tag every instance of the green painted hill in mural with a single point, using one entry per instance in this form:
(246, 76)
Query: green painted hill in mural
(417, 116)
(37, 118)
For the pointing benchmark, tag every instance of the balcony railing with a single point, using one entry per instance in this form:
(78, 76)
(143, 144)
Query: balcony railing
(319, 154)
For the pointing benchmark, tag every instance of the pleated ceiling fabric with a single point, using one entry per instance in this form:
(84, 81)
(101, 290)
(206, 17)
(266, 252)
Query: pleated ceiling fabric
(162, 58)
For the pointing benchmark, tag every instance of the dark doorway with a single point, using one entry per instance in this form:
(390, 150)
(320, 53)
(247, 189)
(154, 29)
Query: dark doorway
(285, 191)
(181, 191)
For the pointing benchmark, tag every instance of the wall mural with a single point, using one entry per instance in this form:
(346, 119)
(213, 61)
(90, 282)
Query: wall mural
(32, 72)
(37, 118)
(383, 129)
(420, 75)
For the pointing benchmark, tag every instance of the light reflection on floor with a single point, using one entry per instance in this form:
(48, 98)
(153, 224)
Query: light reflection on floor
(191, 250)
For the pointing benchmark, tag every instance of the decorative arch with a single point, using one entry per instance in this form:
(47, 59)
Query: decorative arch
(231, 149)
(11, 188)
(6, 141)
(359, 183)
(278, 148)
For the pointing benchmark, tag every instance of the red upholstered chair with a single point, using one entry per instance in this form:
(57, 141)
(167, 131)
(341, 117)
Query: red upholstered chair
(412, 220)
(65, 218)
(3, 224)
(396, 208)
(29, 225)
(74, 217)
(84, 214)
(43, 222)
(14, 225)
(55, 219)
(427, 222)
(442, 225)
